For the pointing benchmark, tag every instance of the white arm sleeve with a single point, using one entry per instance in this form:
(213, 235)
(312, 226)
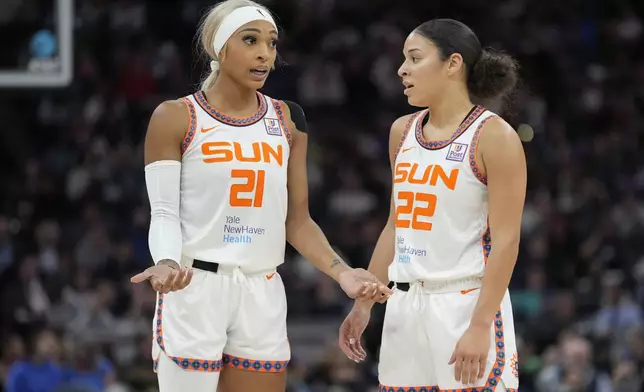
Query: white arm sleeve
(163, 179)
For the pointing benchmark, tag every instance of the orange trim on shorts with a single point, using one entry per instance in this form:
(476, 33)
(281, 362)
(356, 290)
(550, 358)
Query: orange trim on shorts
(406, 132)
(192, 364)
(474, 144)
(231, 120)
(253, 365)
(279, 110)
(192, 126)
(438, 144)
(493, 378)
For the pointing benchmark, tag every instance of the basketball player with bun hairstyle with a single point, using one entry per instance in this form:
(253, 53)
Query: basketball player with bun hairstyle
(452, 237)
(226, 178)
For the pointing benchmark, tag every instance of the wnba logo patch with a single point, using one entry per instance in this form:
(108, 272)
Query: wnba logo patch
(456, 152)
(273, 126)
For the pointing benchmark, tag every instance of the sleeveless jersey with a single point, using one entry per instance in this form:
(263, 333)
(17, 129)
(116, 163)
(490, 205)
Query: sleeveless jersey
(233, 185)
(441, 204)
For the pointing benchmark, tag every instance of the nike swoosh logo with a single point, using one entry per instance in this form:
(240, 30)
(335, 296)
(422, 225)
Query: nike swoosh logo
(468, 291)
(407, 149)
(205, 130)
(269, 277)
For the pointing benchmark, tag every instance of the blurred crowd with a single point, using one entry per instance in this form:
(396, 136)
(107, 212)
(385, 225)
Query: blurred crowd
(74, 211)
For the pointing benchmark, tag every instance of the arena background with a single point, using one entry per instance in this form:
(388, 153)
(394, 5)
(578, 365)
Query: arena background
(74, 211)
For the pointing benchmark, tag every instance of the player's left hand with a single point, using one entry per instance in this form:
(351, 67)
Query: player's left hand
(470, 355)
(352, 329)
(358, 283)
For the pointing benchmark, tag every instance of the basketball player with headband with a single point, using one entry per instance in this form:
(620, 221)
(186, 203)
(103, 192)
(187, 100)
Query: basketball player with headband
(226, 177)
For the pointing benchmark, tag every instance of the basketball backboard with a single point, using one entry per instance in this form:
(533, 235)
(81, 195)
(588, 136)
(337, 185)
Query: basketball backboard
(36, 43)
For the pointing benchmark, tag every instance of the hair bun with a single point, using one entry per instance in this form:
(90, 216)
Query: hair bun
(493, 75)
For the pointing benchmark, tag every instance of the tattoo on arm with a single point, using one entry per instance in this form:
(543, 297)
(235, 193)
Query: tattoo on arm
(337, 262)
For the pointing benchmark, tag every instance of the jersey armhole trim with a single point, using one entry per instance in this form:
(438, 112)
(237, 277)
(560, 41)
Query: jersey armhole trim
(474, 145)
(486, 241)
(192, 126)
(406, 132)
(279, 110)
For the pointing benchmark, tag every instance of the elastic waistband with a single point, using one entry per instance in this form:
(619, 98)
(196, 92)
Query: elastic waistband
(446, 286)
(225, 269)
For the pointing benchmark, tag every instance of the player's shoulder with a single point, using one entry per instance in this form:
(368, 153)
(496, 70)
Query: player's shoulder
(402, 123)
(171, 116)
(497, 132)
(397, 131)
(171, 109)
(296, 114)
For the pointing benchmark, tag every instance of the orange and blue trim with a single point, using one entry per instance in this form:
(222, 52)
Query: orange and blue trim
(410, 121)
(200, 97)
(438, 144)
(486, 243)
(192, 126)
(279, 110)
(254, 365)
(192, 364)
(474, 144)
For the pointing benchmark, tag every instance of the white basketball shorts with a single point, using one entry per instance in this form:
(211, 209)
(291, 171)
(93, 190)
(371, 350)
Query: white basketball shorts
(228, 318)
(421, 329)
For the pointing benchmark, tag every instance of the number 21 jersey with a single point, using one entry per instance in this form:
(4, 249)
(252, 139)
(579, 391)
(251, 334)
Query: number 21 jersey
(441, 207)
(233, 185)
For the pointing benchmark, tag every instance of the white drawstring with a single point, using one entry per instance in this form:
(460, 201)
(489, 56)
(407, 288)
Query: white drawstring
(418, 299)
(239, 277)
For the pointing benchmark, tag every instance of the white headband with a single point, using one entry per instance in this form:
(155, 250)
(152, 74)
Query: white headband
(237, 19)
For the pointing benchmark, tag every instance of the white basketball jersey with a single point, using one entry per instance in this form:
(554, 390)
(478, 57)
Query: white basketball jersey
(441, 204)
(233, 185)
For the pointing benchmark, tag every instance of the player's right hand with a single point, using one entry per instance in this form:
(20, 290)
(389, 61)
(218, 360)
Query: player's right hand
(165, 278)
(360, 284)
(352, 329)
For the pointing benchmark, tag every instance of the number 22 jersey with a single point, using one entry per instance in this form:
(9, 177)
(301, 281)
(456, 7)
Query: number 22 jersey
(234, 196)
(441, 205)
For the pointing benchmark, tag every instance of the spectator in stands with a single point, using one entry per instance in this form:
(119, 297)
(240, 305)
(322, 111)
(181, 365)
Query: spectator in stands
(42, 372)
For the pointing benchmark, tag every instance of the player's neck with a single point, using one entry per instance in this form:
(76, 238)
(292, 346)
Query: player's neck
(231, 98)
(452, 106)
